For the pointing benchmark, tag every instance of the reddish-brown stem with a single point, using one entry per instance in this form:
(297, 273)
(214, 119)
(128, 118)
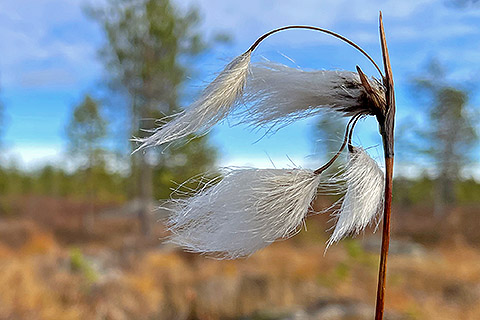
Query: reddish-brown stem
(385, 240)
(386, 122)
(348, 136)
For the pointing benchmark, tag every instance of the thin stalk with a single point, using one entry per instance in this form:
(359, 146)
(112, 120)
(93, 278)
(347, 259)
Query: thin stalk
(379, 310)
(386, 122)
(336, 35)
(348, 137)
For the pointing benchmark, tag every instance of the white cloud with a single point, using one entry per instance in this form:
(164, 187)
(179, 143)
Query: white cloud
(32, 156)
(32, 40)
(245, 20)
(444, 32)
(47, 78)
(30, 43)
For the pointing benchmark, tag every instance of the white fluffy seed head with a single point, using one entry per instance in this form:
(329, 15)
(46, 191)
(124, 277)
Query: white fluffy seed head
(363, 201)
(244, 212)
(277, 94)
(273, 94)
(213, 105)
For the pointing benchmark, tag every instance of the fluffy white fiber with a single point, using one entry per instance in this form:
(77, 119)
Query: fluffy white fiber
(244, 212)
(213, 105)
(272, 94)
(277, 94)
(363, 201)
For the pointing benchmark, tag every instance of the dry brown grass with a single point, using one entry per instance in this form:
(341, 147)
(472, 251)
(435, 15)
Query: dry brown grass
(113, 274)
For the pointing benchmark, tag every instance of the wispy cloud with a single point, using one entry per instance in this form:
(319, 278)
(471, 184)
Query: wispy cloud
(36, 39)
(246, 19)
(47, 77)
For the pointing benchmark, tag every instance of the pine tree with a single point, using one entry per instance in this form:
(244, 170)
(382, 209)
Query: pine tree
(447, 136)
(86, 132)
(147, 44)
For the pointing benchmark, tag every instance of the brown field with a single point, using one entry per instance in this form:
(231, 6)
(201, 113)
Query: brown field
(51, 268)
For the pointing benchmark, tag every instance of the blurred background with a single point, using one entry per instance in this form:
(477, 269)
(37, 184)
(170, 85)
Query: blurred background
(80, 237)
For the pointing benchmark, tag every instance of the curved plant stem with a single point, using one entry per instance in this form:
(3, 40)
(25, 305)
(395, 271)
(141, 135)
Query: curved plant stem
(336, 35)
(348, 136)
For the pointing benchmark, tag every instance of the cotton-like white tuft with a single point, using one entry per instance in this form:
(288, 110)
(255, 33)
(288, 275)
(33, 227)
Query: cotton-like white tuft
(277, 94)
(213, 105)
(363, 201)
(244, 212)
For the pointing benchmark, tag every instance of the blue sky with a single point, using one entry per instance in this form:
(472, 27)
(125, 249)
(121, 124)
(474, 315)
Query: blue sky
(49, 59)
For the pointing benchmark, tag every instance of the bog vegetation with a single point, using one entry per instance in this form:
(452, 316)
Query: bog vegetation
(79, 241)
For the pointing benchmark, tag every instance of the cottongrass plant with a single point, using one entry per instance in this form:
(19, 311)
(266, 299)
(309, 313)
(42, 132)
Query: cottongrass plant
(248, 208)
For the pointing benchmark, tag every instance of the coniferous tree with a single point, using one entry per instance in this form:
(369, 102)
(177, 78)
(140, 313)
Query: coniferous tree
(447, 135)
(86, 132)
(147, 43)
